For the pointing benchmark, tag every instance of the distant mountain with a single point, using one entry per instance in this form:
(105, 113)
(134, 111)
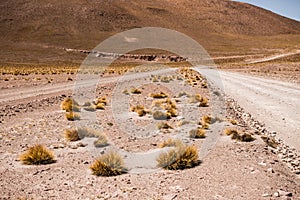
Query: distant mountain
(37, 31)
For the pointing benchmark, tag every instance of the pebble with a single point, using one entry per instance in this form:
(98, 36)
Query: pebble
(284, 193)
(266, 195)
(270, 170)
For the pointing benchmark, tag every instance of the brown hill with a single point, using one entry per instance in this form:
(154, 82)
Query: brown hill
(36, 31)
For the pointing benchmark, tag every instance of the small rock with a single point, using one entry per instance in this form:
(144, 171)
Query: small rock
(276, 194)
(262, 163)
(266, 195)
(169, 197)
(284, 193)
(270, 170)
(80, 144)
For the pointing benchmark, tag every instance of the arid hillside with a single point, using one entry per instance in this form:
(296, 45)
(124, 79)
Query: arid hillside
(37, 31)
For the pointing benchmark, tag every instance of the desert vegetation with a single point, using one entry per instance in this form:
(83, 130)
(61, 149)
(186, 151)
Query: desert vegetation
(240, 136)
(179, 158)
(37, 155)
(109, 164)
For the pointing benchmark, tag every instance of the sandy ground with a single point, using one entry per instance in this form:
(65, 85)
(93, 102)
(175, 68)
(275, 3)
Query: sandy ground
(231, 169)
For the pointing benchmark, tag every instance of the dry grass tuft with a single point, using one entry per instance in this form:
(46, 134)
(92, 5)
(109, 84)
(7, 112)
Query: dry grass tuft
(181, 94)
(163, 125)
(101, 141)
(71, 116)
(109, 164)
(229, 131)
(233, 122)
(235, 135)
(160, 115)
(71, 135)
(195, 98)
(101, 100)
(37, 155)
(140, 110)
(203, 102)
(91, 108)
(135, 91)
(270, 141)
(197, 133)
(100, 106)
(179, 158)
(171, 143)
(70, 104)
(160, 95)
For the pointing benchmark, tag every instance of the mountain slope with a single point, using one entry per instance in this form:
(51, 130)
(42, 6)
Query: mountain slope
(35, 31)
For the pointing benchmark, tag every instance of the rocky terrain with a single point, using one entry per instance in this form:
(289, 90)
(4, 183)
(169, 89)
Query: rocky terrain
(231, 169)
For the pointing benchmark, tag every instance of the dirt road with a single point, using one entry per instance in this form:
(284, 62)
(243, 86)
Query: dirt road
(272, 102)
(88, 81)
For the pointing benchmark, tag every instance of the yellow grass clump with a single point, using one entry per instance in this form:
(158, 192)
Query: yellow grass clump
(160, 115)
(140, 110)
(72, 116)
(135, 91)
(179, 158)
(109, 164)
(197, 133)
(171, 143)
(71, 135)
(37, 155)
(160, 95)
(163, 125)
(203, 102)
(69, 105)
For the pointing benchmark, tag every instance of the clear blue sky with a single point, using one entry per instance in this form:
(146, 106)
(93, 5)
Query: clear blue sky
(287, 8)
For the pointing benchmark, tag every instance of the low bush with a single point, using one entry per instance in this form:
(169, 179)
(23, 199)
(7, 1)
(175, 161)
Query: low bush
(197, 133)
(179, 158)
(109, 164)
(69, 105)
(100, 106)
(101, 141)
(71, 135)
(160, 95)
(203, 102)
(160, 115)
(136, 91)
(91, 108)
(171, 143)
(235, 135)
(71, 116)
(37, 155)
(163, 125)
(140, 110)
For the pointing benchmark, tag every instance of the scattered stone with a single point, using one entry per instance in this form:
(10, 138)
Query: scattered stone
(284, 193)
(270, 170)
(266, 195)
(169, 197)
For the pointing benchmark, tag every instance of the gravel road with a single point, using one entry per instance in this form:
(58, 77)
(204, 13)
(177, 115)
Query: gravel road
(274, 103)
